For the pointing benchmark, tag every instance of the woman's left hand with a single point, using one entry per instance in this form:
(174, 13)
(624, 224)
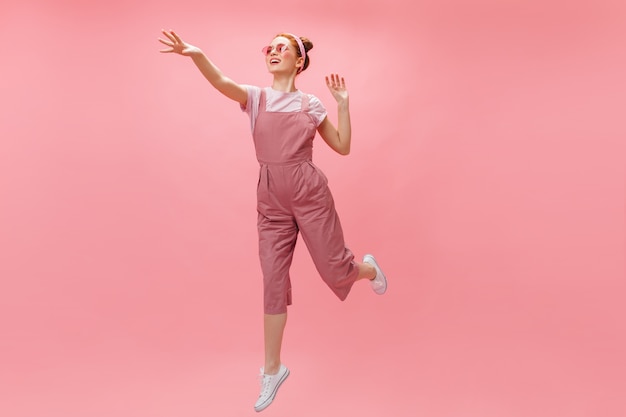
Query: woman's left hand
(337, 87)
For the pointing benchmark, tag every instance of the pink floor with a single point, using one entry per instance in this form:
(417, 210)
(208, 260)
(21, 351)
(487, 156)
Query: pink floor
(486, 175)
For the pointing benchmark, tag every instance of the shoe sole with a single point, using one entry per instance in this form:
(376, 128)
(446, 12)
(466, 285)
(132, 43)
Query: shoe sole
(273, 395)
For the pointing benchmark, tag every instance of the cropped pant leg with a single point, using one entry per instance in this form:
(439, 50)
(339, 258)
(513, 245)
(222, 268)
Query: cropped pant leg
(277, 241)
(278, 233)
(322, 233)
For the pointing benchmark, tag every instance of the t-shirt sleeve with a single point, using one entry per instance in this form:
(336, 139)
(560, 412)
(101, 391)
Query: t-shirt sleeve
(316, 110)
(252, 105)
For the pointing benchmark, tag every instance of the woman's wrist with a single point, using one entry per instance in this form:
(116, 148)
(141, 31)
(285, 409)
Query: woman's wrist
(194, 51)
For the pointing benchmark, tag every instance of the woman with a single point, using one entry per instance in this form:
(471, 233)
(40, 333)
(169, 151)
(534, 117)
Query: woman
(292, 194)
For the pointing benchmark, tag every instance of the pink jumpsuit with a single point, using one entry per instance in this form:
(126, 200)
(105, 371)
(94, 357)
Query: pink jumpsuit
(293, 196)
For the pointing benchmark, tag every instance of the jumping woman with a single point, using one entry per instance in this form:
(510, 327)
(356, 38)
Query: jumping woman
(292, 193)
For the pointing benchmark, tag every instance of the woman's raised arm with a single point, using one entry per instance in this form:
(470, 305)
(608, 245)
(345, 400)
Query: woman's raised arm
(212, 73)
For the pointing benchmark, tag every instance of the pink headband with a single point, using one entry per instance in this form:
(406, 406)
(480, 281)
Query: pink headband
(301, 46)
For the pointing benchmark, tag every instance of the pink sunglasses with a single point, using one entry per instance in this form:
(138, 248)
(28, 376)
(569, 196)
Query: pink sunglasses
(280, 48)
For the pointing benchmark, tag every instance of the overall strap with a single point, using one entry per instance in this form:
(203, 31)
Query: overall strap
(305, 103)
(262, 101)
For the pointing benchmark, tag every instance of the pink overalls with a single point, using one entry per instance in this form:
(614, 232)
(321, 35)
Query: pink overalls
(292, 196)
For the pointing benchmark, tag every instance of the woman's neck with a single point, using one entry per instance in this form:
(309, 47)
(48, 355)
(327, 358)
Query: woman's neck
(286, 84)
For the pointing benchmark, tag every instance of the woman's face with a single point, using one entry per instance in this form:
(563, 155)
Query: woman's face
(281, 56)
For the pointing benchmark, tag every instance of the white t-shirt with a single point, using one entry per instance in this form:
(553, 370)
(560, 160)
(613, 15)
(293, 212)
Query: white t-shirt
(278, 101)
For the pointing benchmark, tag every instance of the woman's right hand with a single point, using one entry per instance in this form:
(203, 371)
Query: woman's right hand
(176, 45)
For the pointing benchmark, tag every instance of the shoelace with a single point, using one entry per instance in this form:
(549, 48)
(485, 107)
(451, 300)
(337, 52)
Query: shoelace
(264, 381)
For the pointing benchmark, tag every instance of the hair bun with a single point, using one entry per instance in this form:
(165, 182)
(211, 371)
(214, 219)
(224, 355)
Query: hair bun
(308, 45)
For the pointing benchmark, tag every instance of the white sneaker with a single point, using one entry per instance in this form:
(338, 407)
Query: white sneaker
(379, 283)
(269, 387)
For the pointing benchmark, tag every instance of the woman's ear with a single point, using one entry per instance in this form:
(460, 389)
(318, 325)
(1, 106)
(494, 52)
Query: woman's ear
(300, 63)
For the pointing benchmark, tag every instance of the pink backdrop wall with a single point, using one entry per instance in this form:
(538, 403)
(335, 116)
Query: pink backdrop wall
(487, 175)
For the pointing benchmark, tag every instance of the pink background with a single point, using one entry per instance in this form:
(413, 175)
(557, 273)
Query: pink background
(487, 176)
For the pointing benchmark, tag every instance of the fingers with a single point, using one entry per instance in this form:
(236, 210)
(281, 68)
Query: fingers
(173, 42)
(172, 36)
(169, 34)
(335, 82)
(176, 37)
(168, 43)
